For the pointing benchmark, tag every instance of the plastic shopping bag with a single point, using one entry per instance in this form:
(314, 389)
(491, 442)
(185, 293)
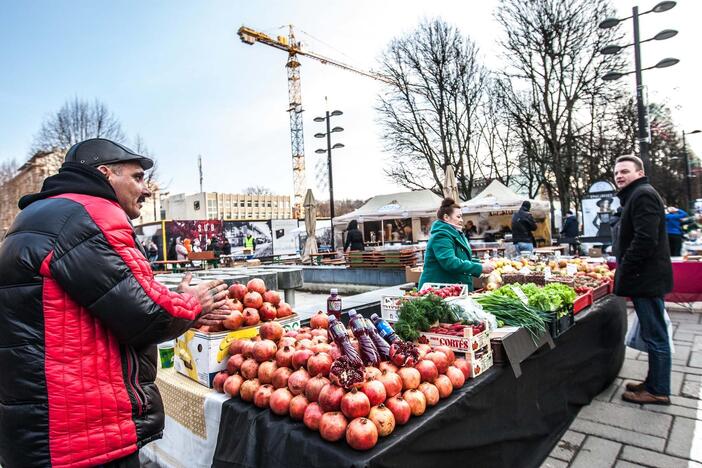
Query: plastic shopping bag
(633, 335)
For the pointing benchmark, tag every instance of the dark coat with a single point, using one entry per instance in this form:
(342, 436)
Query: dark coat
(354, 238)
(643, 255)
(80, 315)
(448, 258)
(522, 225)
(570, 227)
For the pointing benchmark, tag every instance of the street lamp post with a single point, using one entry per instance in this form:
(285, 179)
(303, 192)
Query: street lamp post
(641, 110)
(688, 174)
(327, 134)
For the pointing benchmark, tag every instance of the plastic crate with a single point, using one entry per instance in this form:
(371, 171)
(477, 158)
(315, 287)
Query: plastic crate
(558, 326)
(464, 288)
(600, 291)
(582, 301)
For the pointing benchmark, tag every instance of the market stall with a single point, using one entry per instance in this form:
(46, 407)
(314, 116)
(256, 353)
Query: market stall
(687, 282)
(492, 209)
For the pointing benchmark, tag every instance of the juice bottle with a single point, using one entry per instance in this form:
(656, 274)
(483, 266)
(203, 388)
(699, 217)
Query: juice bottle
(384, 329)
(369, 353)
(337, 331)
(334, 304)
(380, 344)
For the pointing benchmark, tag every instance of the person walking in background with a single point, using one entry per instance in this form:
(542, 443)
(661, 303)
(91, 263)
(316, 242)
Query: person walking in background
(644, 273)
(354, 238)
(226, 247)
(449, 258)
(470, 230)
(570, 231)
(673, 224)
(523, 225)
(81, 314)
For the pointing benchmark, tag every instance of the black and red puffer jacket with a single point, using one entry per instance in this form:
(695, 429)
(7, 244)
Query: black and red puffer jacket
(80, 314)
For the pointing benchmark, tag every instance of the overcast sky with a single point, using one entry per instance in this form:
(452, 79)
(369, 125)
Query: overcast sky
(176, 73)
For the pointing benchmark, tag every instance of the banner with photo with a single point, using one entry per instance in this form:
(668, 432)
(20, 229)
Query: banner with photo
(286, 234)
(200, 232)
(599, 207)
(237, 231)
(151, 238)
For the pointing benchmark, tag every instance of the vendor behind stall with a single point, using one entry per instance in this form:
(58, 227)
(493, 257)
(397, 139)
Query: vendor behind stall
(448, 258)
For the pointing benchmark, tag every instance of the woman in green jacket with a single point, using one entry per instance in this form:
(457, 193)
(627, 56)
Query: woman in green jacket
(448, 258)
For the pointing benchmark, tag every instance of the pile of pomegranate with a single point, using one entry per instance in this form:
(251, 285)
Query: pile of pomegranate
(300, 374)
(249, 305)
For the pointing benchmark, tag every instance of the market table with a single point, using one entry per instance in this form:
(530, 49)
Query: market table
(687, 282)
(494, 420)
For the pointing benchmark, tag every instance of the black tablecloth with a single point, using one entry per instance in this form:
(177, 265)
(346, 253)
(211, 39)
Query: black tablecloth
(494, 420)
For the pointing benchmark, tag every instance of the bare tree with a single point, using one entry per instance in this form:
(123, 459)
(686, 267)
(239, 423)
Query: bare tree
(341, 207)
(8, 169)
(428, 114)
(258, 190)
(76, 121)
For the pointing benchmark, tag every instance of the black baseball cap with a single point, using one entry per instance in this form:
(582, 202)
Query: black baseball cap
(98, 151)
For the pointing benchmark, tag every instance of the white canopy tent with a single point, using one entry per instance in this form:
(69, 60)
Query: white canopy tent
(498, 198)
(393, 206)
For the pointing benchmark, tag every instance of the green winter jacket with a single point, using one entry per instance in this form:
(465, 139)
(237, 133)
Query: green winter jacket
(448, 257)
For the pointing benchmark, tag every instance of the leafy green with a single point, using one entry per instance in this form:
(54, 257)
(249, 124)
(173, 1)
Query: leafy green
(418, 314)
(514, 312)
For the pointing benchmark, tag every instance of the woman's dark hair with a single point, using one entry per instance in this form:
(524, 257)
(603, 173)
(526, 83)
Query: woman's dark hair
(352, 225)
(446, 208)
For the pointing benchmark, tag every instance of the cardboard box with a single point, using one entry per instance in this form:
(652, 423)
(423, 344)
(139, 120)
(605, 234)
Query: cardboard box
(463, 293)
(468, 343)
(200, 356)
(594, 252)
(412, 274)
(480, 365)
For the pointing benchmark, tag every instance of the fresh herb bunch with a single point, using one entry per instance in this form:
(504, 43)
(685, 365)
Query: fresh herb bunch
(514, 312)
(417, 315)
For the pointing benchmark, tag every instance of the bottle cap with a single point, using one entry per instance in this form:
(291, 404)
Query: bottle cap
(334, 291)
(352, 312)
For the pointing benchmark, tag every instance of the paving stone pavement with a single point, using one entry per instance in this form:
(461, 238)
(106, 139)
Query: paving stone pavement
(610, 432)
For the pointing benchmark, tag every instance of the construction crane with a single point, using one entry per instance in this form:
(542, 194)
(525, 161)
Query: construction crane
(290, 45)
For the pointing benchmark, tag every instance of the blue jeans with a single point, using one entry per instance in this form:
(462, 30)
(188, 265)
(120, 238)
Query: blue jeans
(524, 247)
(655, 334)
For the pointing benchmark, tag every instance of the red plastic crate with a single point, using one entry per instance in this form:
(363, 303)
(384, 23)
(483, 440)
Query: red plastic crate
(600, 291)
(585, 300)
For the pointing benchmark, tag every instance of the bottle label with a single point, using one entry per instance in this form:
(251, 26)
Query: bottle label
(334, 305)
(384, 328)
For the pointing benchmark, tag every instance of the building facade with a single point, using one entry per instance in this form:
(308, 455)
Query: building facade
(28, 179)
(215, 205)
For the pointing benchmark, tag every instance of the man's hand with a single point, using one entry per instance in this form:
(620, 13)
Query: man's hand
(488, 267)
(212, 295)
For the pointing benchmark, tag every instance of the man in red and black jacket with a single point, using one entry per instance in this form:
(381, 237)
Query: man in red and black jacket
(80, 315)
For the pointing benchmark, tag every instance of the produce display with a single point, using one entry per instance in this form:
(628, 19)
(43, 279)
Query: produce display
(453, 290)
(541, 272)
(344, 384)
(249, 305)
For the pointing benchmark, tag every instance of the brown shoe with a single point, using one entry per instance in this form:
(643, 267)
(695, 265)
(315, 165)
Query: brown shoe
(635, 387)
(643, 397)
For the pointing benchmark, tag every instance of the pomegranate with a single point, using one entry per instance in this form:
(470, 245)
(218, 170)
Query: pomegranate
(303, 343)
(284, 310)
(248, 389)
(313, 413)
(314, 386)
(286, 341)
(267, 312)
(320, 332)
(332, 426)
(266, 371)
(448, 352)
(464, 366)
(297, 381)
(355, 404)
(392, 383)
(280, 377)
(234, 320)
(233, 384)
(236, 304)
(423, 349)
(440, 360)
(372, 372)
(375, 391)
(271, 331)
(330, 397)
(456, 376)
(334, 352)
(416, 400)
(388, 366)
(251, 317)
(404, 353)
(256, 285)
(280, 401)
(264, 350)
(427, 370)
(345, 373)
(322, 348)
(300, 357)
(263, 395)
(235, 347)
(253, 300)
(237, 291)
(298, 405)
(249, 369)
(271, 296)
(383, 419)
(291, 333)
(319, 340)
(319, 320)
(218, 381)
(410, 377)
(247, 348)
(444, 385)
(361, 434)
(234, 363)
(319, 364)
(283, 357)
(400, 409)
(431, 393)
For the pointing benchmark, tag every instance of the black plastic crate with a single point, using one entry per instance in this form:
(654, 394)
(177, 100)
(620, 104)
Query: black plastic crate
(558, 326)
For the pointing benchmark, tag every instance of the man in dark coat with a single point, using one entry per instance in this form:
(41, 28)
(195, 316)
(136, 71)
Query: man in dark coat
(522, 226)
(644, 273)
(570, 232)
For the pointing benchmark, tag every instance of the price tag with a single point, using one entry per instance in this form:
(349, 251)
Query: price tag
(571, 269)
(525, 271)
(520, 294)
(547, 273)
